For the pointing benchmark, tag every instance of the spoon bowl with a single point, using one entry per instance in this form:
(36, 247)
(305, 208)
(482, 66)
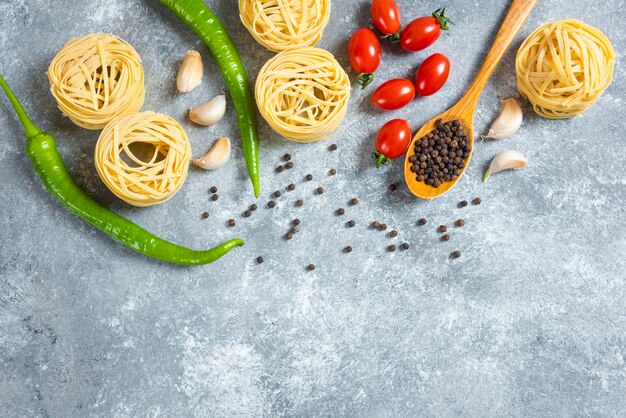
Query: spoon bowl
(464, 109)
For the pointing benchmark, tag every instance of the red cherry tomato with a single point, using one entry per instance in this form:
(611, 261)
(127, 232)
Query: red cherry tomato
(424, 31)
(386, 16)
(393, 94)
(365, 55)
(392, 141)
(432, 74)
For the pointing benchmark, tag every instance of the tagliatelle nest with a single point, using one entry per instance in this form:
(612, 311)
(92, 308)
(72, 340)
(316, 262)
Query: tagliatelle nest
(143, 158)
(303, 94)
(96, 78)
(563, 68)
(279, 25)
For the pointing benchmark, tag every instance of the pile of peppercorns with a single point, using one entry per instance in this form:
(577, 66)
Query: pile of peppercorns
(440, 156)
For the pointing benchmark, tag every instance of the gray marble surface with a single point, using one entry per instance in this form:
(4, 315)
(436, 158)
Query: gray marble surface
(529, 322)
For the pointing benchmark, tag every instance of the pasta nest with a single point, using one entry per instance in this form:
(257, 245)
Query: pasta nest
(279, 25)
(303, 94)
(96, 78)
(563, 68)
(143, 158)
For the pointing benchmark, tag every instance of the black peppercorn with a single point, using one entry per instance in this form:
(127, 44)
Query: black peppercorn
(333, 147)
(354, 201)
(280, 168)
(231, 222)
(247, 214)
(422, 222)
(320, 190)
(259, 260)
(205, 215)
(442, 228)
(477, 201)
(393, 234)
(376, 225)
(277, 194)
(286, 157)
(215, 197)
(213, 189)
(289, 165)
(351, 224)
(341, 211)
(271, 204)
(463, 203)
(393, 187)
(295, 222)
(456, 254)
(405, 246)
(391, 248)
(460, 223)
(288, 236)
(299, 203)
(309, 177)
(291, 187)
(383, 227)
(253, 207)
(446, 237)
(332, 172)
(311, 267)
(348, 249)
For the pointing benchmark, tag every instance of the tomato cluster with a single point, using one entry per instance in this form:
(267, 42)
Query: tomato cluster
(365, 56)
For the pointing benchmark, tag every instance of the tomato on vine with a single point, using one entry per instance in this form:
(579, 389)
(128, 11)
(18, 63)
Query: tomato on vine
(424, 31)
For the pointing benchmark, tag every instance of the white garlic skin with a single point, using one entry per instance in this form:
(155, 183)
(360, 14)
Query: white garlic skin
(218, 155)
(507, 160)
(209, 113)
(190, 72)
(508, 122)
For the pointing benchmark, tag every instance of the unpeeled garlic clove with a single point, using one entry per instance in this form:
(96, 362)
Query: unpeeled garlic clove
(507, 160)
(209, 113)
(190, 72)
(508, 122)
(217, 157)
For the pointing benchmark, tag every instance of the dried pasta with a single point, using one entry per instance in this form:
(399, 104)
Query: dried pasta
(279, 25)
(96, 78)
(564, 67)
(303, 94)
(143, 158)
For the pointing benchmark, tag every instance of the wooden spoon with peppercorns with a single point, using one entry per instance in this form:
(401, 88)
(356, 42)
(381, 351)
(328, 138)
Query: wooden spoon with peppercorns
(419, 170)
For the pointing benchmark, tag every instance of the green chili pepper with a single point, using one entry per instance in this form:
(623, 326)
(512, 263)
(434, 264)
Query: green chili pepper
(42, 151)
(197, 16)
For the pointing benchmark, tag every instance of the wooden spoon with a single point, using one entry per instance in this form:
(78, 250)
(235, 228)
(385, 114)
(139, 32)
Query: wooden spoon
(464, 109)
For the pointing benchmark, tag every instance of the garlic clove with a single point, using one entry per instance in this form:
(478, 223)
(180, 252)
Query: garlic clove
(217, 157)
(190, 72)
(508, 122)
(209, 113)
(507, 160)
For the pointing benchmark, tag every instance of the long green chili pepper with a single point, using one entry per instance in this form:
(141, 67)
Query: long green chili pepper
(43, 154)
(197, 16)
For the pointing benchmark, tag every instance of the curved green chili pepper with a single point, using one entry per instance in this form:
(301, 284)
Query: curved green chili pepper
(196, 15)
(42, 151)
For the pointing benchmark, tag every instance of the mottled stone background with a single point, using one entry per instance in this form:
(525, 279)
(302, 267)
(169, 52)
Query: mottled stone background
(529, 322)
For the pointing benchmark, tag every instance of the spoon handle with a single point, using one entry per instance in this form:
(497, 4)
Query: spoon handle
(513, 22)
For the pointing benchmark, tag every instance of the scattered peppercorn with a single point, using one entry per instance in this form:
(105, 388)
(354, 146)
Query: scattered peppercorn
(289, 165)
(333, 147)
(354, 201)
(383, 227)
(351, 224)
(332, 172)
(253, 207)
(213, 189)
(259, 260)
(463, 203)
(393, 234)
(291, 187)
(422, 222)
(287, 157)
(271, 204)
(205, 215)
(393, 187)
(277, 194)
(280, 168)
(348, 249)
(440, 156)
(376, 225)
(309, 177)
(295, 222)
(288, 236)
(391, 248)
(445, 238)
(442, 228)
(341, 211)
(231, 222)
(456, 254)
(477, 201)
(320, 190)
(311, 267)
(405, 246)
(299, 203)
(215, 197)
(247, 214)
(460, 223)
